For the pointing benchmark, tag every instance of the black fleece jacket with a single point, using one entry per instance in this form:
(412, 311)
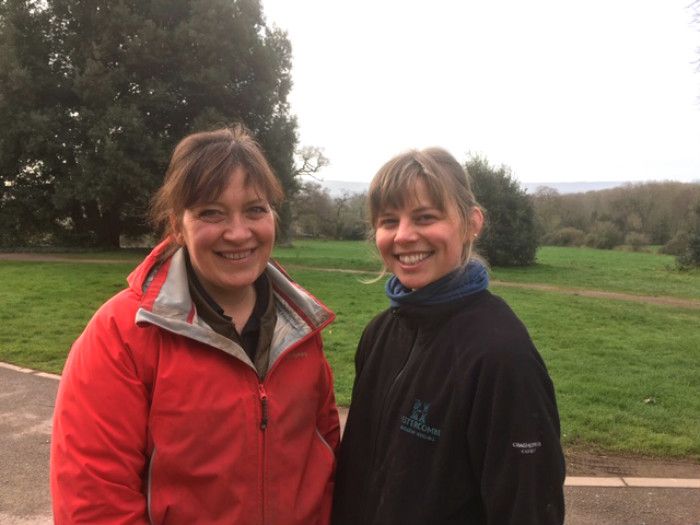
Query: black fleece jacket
(453, 421)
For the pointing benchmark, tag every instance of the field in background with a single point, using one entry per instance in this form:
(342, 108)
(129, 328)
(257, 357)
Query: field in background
(626, 374)
(610, 270)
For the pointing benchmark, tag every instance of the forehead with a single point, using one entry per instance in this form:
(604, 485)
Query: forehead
(238, 184)
(414, 195)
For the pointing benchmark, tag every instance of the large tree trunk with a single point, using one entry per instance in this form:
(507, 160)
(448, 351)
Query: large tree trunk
(108, 230)
(284, 231)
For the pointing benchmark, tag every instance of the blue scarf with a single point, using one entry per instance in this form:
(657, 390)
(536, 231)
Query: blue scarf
(455, 285)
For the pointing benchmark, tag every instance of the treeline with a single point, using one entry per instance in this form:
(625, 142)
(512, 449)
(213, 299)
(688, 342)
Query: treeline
(316, 214)
(634, 215)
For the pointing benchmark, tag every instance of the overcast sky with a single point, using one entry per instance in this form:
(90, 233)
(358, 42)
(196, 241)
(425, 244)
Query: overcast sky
(560, 91)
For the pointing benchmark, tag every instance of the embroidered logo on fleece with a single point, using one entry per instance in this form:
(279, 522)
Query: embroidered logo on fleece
(417, 422)
(527, 448)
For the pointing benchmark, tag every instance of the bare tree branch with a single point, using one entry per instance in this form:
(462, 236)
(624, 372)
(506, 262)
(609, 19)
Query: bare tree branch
(310, 160)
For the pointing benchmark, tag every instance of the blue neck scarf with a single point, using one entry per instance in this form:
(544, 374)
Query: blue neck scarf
(455, 285)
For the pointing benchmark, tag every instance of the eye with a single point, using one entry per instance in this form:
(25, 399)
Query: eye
(426, 218)
(210, 215)
(387, 222)
(258, 210)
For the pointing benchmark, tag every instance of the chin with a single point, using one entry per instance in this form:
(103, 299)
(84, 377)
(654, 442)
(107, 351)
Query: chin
(411, 281)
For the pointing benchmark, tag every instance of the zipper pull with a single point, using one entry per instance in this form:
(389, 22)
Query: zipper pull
(263, 402)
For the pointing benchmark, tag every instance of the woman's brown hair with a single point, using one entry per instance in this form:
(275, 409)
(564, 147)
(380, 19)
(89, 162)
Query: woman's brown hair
(199, 171)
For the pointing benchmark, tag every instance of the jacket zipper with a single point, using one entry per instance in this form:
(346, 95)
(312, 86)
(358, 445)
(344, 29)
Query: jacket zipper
(263, 405)
(264, 420)
(382, 413)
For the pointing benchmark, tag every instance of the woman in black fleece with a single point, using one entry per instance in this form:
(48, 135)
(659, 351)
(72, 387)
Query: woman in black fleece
(453, 417)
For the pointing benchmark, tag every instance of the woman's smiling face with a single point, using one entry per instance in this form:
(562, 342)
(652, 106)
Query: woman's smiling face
(419, 242)
(230, 239)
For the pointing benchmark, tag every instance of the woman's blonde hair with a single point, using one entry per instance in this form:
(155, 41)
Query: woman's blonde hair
(200, 168)
(445, 181)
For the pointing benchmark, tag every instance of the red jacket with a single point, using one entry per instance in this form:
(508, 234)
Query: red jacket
(160, 419)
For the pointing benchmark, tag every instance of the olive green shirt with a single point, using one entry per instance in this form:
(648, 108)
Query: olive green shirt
(257, 333)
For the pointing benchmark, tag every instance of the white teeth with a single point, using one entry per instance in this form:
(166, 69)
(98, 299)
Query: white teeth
(413, 258)
(236, 256)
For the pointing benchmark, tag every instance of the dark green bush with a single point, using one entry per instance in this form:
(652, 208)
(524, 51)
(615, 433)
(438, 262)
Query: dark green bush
(510, 234)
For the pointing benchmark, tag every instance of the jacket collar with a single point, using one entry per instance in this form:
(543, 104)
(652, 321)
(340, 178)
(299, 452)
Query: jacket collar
(434, 313)
(161, 283)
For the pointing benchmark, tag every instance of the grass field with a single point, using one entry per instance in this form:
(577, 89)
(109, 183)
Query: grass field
(610, 270)
(46, 305)
(626, 374)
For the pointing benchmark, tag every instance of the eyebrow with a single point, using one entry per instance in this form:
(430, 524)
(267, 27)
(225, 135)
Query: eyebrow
(256, 201)
(217, 202)
(425, 208)
(391, 211)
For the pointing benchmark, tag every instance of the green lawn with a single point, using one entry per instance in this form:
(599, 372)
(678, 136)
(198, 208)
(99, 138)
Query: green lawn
(625, 373)
(610, 270)
(347, 255)
(46, 305)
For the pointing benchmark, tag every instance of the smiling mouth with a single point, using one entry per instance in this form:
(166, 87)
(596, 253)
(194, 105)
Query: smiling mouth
(413, 258)
(235, 256)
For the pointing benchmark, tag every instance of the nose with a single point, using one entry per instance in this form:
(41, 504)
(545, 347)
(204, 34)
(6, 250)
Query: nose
(405, 231)
(237, 229)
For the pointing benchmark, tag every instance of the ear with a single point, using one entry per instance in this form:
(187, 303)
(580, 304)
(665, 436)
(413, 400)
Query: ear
(176, 229)
(476, 223)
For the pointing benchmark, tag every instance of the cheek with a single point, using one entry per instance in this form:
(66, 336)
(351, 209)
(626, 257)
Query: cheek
(383, 243)
(199, 236)
(266, 231)
(455, 251)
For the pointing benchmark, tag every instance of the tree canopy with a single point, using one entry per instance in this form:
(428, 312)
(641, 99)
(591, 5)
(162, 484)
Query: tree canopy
(94, 96)
(510, 234)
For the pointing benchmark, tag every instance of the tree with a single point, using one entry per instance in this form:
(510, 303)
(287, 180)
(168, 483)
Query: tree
(312, 211)
(308, 160)
(94, 96)
(510, 235)
(691, 257)
(350, 216)
(548, 213)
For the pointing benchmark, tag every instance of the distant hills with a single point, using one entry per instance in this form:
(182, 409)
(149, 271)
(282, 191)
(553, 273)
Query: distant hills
(573, 187)
(337, 187)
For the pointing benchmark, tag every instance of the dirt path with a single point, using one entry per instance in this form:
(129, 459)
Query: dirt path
(660, 300)
(45, 257)
(674, 302)
(582, 461)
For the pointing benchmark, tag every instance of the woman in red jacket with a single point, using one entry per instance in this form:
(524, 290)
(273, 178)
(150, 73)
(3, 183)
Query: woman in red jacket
(200, 394)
